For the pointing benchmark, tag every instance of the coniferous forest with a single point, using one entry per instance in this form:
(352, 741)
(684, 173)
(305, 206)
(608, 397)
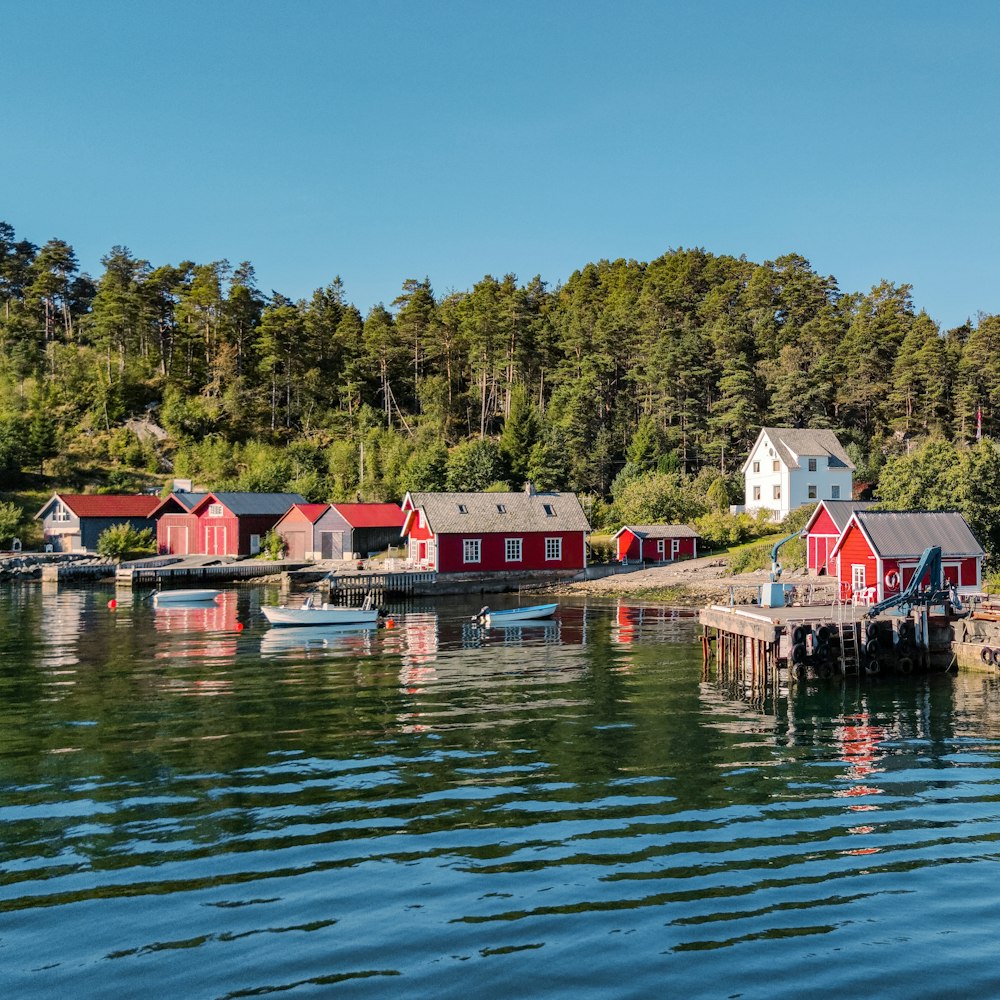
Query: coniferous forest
(639, 385)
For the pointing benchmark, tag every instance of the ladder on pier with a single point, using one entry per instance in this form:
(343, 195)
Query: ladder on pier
(850, 645)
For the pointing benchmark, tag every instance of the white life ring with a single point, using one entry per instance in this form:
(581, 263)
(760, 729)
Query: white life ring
(892, 579)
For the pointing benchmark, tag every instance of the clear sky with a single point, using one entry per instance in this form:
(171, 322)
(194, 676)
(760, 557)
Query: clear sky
(387, 140)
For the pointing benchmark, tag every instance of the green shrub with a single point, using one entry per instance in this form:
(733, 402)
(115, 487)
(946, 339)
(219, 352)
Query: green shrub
(122, 541)
(272, 546)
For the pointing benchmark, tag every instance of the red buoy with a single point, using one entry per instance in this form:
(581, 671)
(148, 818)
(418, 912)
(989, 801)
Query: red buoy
(112, 604)
(239, 626)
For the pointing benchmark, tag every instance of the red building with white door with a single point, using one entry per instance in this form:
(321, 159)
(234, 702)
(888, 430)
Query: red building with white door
(823, 531)
(176, 526)
(656, 542)
(495, 532)
(878, 551)
(228, 524)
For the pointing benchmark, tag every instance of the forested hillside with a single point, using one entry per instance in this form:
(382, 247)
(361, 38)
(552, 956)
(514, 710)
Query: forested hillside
(629, 377)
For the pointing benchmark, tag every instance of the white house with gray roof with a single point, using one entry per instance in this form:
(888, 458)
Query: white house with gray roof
(789, 466)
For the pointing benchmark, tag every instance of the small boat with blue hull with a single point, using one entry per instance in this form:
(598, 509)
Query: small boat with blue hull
(515, 616)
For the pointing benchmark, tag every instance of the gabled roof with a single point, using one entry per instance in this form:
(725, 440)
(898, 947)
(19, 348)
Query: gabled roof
(104, 504)
(793, 443)
(902, 534)
(840, 512)
(371, 515)
(483, 513)
(310, 512)
(242, 504)
(183, 501)
(659, 531)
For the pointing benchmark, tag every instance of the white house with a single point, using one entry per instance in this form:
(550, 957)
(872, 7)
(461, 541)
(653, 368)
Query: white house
(789, 466)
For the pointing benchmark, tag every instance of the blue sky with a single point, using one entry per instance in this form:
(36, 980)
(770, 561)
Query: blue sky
(384, 141)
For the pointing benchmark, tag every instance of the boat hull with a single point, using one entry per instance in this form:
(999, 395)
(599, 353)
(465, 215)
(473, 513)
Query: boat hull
(185, 596)
(305, 617)
(514, 616)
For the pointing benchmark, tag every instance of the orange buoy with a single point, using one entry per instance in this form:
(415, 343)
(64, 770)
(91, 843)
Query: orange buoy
(112, 604)
(239, 626)
(390, 623)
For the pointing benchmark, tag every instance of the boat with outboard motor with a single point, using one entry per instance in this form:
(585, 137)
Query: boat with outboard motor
(184, 596)
(310, 613)
(512, 616)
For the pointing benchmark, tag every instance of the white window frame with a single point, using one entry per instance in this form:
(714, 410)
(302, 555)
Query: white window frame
(661, 547)
(812, 464)
(834, 492)
(60, 514)
(776, 466)
(216, 510)
(472, 550)
(513, 549)
(858, 577)
(812, 491)
(756, 467)
(553, 549)
(756, 493)
(777, 491)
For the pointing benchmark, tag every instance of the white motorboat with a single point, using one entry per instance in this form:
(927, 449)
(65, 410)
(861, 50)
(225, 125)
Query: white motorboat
(319, 614)
(185, 596)
(513, 616)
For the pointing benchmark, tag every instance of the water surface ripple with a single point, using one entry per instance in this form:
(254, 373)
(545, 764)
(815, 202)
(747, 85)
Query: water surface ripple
(438, 810)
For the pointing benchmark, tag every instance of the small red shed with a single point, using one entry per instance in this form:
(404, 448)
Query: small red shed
(234, 524)
(824, 528)
(337, 531)
(176, 526)
(656, 542)
(878, 551)
(495, 532)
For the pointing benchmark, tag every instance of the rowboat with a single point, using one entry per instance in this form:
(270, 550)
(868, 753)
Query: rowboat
(185, 596)
(322, 614)
(512, 616)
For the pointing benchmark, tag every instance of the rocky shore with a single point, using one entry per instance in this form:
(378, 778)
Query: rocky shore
(28, 565)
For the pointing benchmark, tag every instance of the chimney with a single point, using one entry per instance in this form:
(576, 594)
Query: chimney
(529, 488)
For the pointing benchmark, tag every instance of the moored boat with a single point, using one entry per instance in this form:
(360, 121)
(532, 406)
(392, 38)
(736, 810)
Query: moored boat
(511, 616)
(322, 614)
(185, 596)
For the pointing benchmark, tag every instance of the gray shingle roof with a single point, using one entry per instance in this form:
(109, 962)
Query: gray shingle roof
(793, 443)
(258, 503)
(660, 531)
(908, 533)
(482, 512)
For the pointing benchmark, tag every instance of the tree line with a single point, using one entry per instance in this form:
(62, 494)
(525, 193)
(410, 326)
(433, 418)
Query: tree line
(631, 378)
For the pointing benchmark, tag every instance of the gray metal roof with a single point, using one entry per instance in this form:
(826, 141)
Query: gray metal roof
(500, 512)
(840, 511)
(908, 533)
(258, 503)
(794, 443)
(660, 530)
(188, 500)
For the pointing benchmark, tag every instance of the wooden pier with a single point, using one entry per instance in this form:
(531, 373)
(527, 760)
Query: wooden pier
(157, 574)
(353, 588)
(821, 641)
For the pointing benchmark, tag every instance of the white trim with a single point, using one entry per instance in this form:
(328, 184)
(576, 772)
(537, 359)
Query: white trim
(470, 546)
(557, 548)
(518, 543)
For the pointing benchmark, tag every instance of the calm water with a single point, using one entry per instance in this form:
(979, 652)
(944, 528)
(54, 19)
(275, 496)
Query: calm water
(432, 811)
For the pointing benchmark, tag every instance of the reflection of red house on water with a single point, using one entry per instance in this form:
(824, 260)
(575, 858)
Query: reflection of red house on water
(878, 551)
(656, 542)
(495, 532)
(824, 528)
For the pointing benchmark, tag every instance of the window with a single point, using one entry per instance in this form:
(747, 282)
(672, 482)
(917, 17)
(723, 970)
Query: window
(777, 492)
(812, 491)
(471, 550)
(501, 509)
(550, 511)
(215, 510)
(776, 466)
(660, 547)
(553, 548)
(462, 509)
(834, 492)
(812, 464)
(60, 513)
(512, 549)
(756, 493)
(756, 466)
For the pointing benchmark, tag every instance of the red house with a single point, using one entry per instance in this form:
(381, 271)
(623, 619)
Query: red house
(176, 526)
(656, 542)
(879, 551)
(233, 524)
(824, 528)
(495, 532)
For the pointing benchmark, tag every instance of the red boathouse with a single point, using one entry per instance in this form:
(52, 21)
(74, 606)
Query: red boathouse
(823, 530)
(656, 542)
(495, 532)
(879, 550)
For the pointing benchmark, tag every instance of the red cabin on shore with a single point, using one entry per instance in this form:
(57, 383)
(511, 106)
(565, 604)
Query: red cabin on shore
(322, 531)
(495, 532)
(656, 542)
(230, 524)
(823, 530)
(176, 526)
(878, 551)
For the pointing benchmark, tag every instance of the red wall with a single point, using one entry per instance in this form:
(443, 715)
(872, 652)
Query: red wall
(164, 536)
(854, 549)
(449, 552)
(629, 546)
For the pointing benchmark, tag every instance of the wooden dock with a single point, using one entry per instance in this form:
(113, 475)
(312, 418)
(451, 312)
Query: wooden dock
(156, 574)
(821, 641)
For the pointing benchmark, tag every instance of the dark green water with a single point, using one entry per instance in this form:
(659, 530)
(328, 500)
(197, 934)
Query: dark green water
(569, 811)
